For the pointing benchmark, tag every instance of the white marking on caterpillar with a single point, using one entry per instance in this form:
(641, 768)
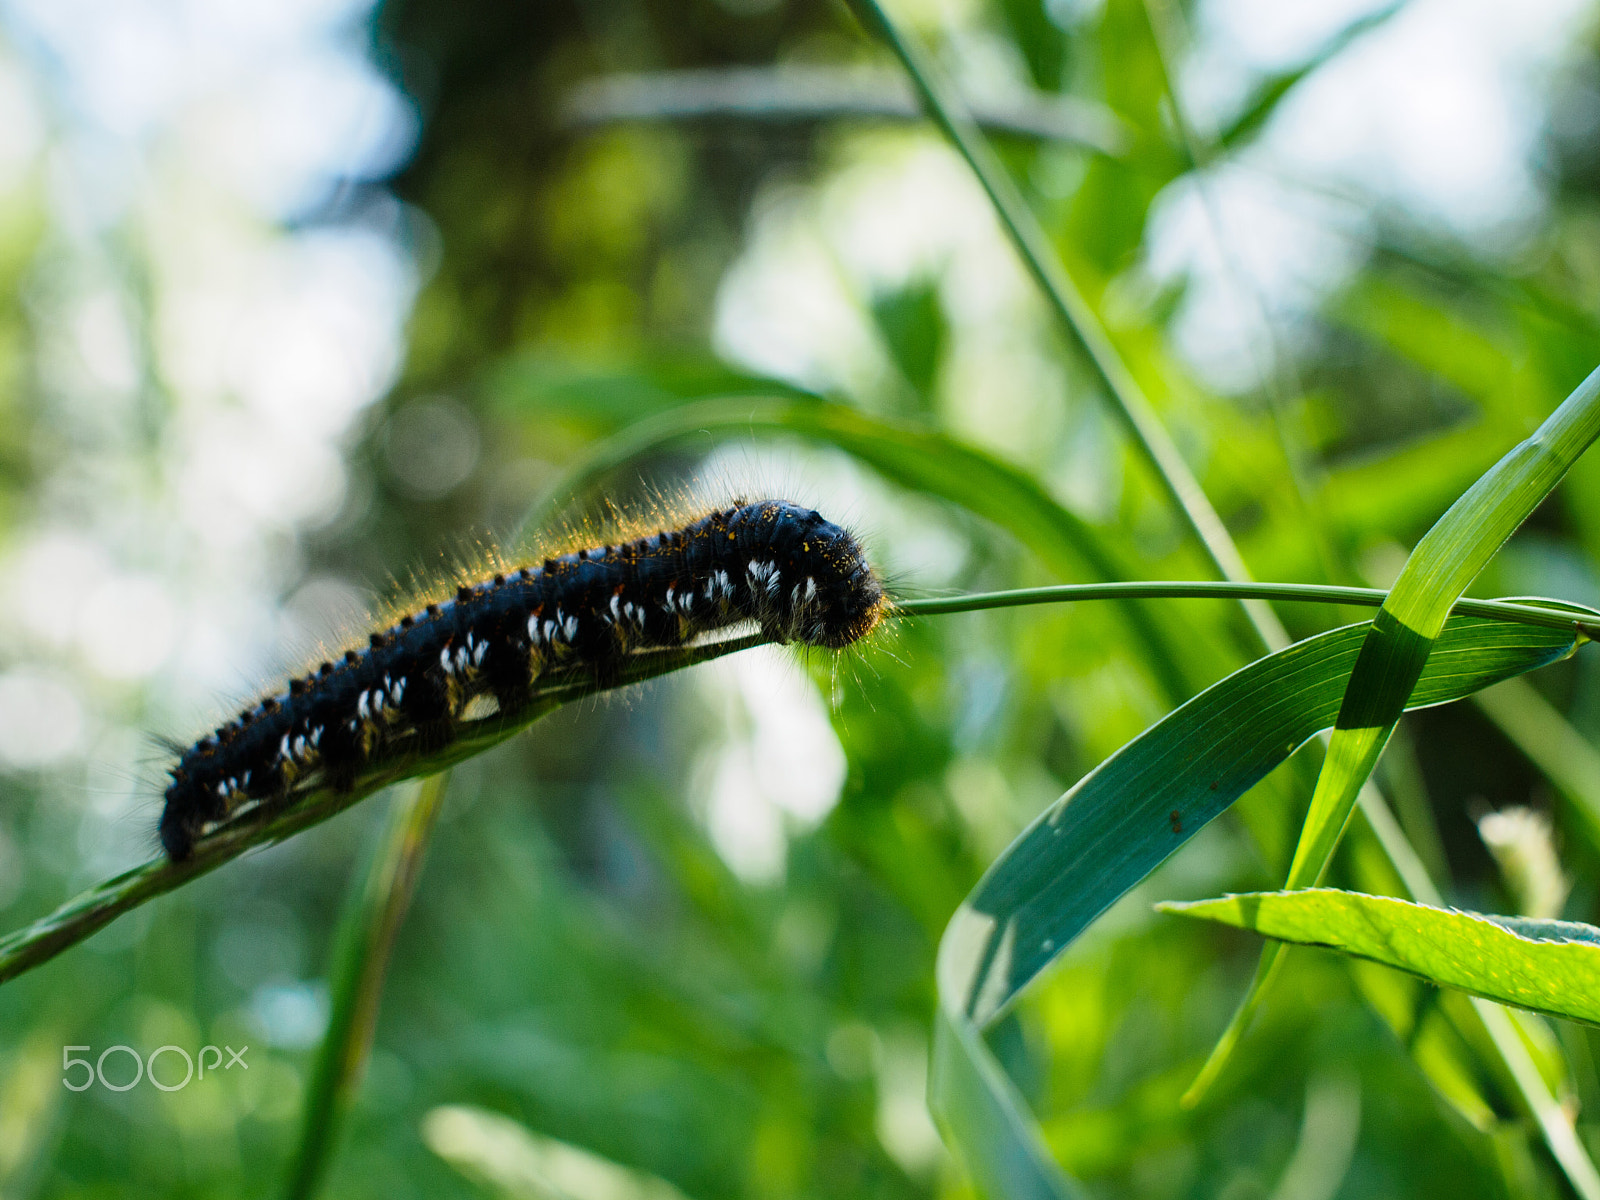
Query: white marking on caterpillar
(765, 575)
(721, 552)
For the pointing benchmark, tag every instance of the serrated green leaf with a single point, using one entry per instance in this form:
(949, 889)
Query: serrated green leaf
(1438, 571)
(1398, 644)
(1550, 967)
(1116, 825)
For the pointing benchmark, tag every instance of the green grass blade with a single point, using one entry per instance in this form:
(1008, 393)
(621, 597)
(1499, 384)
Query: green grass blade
(1549, 967)
(918, 459)
(1119, 822)
(86, 914)
(1077, 316)
(793, 94)
(1491, 1022)
(1448, 558)
(366, 938)
(1271, 91)
(1398, 644)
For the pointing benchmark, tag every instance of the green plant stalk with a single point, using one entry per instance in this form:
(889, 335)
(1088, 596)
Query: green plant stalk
(1438, 946)
(1396, 649)
(92, 910)
(1531, 612)
(1076, 314)
(367, 933)
(1447, 559)
(1116, 824)
(917, 458)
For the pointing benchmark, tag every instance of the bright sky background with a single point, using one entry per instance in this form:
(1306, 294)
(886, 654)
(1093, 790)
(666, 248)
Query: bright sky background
(1436, 113)
(175, 143)
(170, 142)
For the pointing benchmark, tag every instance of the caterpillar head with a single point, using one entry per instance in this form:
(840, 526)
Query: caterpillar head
(832, 595)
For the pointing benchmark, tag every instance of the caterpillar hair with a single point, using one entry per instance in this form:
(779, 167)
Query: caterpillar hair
(784, 567)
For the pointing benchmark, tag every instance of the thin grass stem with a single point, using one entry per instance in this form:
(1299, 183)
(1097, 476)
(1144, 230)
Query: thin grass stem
(91, 911)
(1548, 614)
(1077, 316)
(372, 918)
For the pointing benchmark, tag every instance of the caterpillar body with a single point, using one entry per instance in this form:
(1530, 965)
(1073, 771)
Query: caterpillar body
(782, 566)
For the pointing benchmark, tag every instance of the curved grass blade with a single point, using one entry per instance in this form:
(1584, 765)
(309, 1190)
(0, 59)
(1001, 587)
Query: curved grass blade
(1072, 308)
(1549, 967)
(507, 1159)
(96, 908)
(921, 460)
(1398, 644)
(1260, 107)
(366, 938)
(1123, 819)
(1447, 559)
(91, 911)
(793, 94)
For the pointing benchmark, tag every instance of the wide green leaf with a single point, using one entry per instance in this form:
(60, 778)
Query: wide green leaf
(1550, 967)
(1438, 571)
(923, 460)
(1400, 640)
(1117, 824)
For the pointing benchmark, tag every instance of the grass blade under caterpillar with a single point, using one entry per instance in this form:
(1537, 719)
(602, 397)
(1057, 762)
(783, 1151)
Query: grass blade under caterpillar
(92, 910)
(416, 685)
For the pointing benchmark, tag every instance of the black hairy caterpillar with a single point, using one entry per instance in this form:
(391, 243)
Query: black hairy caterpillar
(782, 566)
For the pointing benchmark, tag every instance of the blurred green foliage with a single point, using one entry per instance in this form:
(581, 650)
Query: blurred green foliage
(579, 956)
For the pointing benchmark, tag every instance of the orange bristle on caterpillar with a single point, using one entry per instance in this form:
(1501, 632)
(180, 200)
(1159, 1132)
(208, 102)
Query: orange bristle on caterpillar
(779, 565)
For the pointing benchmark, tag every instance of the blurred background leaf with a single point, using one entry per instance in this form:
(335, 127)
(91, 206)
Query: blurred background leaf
(299, 298)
